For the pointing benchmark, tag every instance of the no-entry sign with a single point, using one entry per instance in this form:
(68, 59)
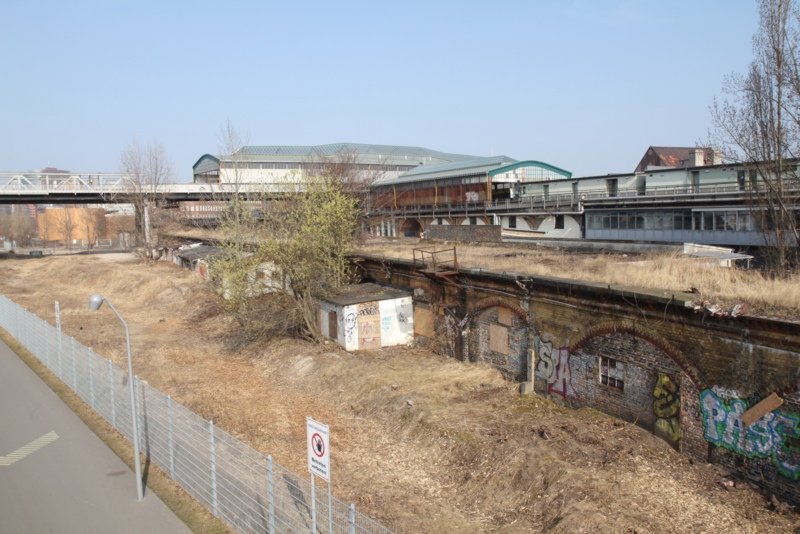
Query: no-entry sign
(319, 454)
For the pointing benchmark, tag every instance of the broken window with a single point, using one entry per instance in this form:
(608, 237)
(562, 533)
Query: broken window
(612, 373)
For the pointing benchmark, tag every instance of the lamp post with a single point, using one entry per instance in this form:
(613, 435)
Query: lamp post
(95, 301)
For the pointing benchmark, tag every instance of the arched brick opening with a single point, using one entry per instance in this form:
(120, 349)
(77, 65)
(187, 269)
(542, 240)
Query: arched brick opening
(410, 228)
(498, 335)
(501, 303)
(640, 377)
(664, 346)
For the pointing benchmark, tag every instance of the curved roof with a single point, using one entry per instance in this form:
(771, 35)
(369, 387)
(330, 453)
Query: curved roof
(532, 163)
(206, 163)
(470, 167)
(491, 166)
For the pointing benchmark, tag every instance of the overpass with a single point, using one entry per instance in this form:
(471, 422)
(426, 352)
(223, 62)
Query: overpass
(107, 188)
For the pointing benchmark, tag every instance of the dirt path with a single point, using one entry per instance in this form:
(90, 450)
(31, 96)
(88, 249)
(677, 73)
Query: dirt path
(419, 442)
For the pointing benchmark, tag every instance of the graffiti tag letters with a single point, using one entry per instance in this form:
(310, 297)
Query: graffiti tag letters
(554, 368)
(766, 438)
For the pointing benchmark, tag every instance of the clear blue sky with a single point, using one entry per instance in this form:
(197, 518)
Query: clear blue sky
(586, 85)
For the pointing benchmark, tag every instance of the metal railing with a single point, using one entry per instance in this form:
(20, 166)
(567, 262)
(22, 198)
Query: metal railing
(571, 202)
(247, 489)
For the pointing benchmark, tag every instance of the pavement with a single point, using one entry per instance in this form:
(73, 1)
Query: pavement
(56, 475)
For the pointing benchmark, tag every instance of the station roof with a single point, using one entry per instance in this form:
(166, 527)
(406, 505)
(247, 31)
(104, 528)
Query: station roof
(475, 167)
(471, 167)
(362, 153)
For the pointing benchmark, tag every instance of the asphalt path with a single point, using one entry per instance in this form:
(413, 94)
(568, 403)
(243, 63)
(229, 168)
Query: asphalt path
(56, 475)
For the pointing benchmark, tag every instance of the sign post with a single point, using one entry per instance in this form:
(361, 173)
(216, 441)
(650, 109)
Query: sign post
(58, 316)
(319, 456)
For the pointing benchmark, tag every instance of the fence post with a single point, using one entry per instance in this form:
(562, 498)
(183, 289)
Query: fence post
(46, 348)
(91, 377)
(140, 414)
(169, 439)
(352, 518)
(270, 496)
(111, 388)
(213, 468)
(74, 373)
(60, 365)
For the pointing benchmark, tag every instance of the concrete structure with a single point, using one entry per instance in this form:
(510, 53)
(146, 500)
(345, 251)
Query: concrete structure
(196, 258)
(647, 357)
(367, 317)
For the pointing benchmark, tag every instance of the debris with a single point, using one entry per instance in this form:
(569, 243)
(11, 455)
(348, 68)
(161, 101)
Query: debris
(761, 409)
(738, 310)
(728, 483)
(780, 507)
(410, 402)
(691, 289)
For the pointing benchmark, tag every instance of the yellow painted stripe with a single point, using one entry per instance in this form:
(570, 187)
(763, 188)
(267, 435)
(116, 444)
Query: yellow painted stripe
(31, 447)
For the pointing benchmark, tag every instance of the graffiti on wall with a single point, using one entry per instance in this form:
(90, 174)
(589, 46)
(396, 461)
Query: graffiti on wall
(350, 321)
(772, 437)
(554, 367)
(369, 324)
(667, 408)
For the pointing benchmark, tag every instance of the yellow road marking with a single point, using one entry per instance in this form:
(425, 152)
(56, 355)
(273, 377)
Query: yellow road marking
(31, 447)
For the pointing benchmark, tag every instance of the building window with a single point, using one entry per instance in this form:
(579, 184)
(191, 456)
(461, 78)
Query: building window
(439, 221)
(560, 222)
(512, 221)
(473, 221)
(612, 373)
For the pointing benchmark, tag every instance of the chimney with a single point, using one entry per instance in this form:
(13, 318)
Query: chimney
(697, 157)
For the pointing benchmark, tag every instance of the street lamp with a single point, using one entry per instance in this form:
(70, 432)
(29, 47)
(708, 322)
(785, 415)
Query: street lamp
(95, 301)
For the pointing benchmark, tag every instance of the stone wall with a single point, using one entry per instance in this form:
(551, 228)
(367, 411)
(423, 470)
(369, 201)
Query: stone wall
(645, 357)
(465, 233)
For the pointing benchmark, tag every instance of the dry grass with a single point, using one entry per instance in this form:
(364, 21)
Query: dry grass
(420, 442)
(667, 271)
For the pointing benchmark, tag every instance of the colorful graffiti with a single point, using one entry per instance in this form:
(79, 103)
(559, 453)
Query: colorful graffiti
(771, 437)
(555, 369)
(369, 319)
(667, 408)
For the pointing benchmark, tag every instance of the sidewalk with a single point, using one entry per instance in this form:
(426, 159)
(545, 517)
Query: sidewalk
(56, 475)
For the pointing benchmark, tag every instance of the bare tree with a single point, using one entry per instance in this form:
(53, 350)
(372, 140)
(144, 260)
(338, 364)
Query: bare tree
(67, 223)
(353, 178)
(93, 223)
(18, 226)
(759, 127)
(148, 168)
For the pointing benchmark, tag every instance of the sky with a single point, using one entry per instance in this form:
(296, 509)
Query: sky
(585, 85)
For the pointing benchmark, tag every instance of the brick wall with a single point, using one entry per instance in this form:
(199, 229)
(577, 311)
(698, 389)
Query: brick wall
(500, 338)
(679, 369)
(473, 233)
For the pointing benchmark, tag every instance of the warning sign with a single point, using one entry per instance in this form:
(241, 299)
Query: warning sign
(318, 448)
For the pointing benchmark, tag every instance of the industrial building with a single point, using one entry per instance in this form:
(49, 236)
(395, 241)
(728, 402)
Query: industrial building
(274, 164)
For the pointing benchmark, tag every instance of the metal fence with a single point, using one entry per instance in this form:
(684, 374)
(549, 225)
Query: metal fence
(237, 483)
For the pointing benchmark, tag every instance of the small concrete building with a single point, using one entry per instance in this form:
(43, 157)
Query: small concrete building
(367, 317)
(196, 258)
